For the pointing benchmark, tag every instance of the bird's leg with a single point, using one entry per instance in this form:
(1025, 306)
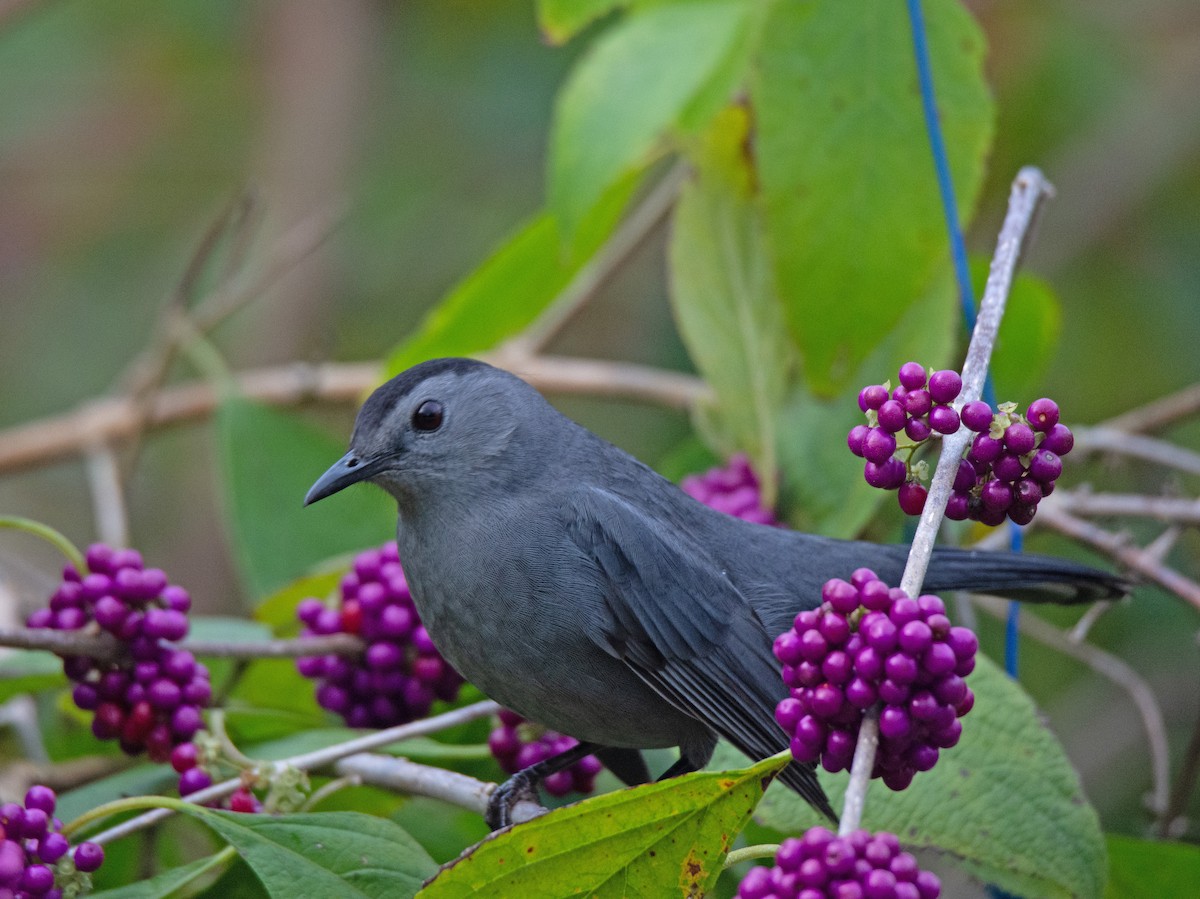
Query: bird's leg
(683, 766)
(523, 784)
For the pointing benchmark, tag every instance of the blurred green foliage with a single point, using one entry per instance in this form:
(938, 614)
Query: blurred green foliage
(125, 127)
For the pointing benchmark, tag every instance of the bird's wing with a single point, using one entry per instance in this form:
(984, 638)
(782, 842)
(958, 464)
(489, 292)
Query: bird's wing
(675, 618)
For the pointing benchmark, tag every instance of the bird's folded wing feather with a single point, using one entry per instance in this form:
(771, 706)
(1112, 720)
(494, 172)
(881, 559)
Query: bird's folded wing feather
(674, 617)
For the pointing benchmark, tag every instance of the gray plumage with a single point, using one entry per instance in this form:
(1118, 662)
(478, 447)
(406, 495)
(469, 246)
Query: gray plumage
(573, 584)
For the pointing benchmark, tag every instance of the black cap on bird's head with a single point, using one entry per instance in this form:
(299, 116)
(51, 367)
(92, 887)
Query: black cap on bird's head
(410, 425)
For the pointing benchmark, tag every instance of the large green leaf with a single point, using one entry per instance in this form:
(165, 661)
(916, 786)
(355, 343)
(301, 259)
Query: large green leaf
(172, 882)
(1005, 803)
(269, 459)
(561, 20)
(824, 490)
(660, 839)
(29, 670)
(1141, 869)
(723, 296)
(324, 854)
(514, 285)
(852, 207)
(1028, 336)
(636, 82)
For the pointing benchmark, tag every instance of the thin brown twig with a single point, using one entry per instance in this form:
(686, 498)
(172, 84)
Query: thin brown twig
(1129, 505)
(1185, 784)
(1117, 547)
(628, 236)
(1149, 449)
(105, 647)
(1157, 414)
(1117, 671)
(113, 419)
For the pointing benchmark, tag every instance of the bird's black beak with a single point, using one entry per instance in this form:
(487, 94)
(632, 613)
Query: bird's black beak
(349, 469)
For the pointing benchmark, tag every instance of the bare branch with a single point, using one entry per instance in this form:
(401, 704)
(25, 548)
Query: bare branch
(114, 419)
(106, 648)
(1160, 452)
(1129, 505)
(1159, 413)
(1116, 670)
(1029, 189)
(1118, 548)
(315, 760)
(414, 779)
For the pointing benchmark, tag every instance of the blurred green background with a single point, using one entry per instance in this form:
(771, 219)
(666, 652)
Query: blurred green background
(125, 127)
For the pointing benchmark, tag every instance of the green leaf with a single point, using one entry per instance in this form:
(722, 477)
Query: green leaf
(1005, 803)
(824, 490)
(226, 629)
(635, 84)
(851, 201)
(170, 882)
(29, 670)
(1142, 869)
(654, 840)
(724, 300)
(269, 459)
(324, 854)
(271, 700)
(278, 611)
(561, 20)
(513, 286)
(1028, 336)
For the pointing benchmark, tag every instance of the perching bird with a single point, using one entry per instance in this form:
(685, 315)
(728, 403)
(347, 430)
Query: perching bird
(573, 584)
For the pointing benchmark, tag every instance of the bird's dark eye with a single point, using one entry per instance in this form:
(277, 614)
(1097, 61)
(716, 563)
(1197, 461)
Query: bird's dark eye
(428, 416)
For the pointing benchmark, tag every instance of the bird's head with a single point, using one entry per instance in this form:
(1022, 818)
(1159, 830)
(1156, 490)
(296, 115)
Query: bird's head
(444, 426)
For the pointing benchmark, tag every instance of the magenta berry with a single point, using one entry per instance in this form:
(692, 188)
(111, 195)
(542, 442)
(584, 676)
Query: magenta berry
(401, 673)
(944, 386)
(1042, 414)
(977, 416)
(912, 498)
(869, 643)
(736, 490)
(912, 375)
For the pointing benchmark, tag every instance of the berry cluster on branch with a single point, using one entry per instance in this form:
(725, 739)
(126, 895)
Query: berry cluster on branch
(1010, 465)
(35, 858)
(821, 865)
(401, 673)
(151, 697)
(869, 644)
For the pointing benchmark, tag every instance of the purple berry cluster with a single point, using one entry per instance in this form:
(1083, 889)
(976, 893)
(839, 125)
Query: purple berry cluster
(861, 865)
(193, 777)
(517, 744)
(150, 699)
(1011, 464)
(869, 644)
(734, 490)
(33, 850)
(401, 672)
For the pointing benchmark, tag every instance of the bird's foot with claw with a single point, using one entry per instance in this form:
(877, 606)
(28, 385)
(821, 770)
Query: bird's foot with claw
(521, 787)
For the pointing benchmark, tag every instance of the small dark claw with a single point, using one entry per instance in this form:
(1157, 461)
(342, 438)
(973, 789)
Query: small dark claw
(521, 786)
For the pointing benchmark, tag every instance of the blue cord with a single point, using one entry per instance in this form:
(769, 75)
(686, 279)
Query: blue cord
(962, 272)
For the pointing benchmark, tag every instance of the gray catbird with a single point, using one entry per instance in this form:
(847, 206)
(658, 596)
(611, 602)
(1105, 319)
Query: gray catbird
(576, 586)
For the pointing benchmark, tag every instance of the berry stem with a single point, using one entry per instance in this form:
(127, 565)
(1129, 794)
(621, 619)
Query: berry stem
(750, 853)
(860, 773)
(117, 806)
(216, 726)
(49, 534)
